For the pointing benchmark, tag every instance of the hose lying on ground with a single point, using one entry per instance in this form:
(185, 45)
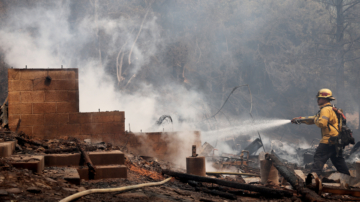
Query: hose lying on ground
(91, 191)
(230, 173)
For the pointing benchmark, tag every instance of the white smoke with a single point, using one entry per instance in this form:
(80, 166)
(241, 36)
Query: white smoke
(43, 37)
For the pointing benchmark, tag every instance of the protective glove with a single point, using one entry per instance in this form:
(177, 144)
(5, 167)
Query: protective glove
(296, 120)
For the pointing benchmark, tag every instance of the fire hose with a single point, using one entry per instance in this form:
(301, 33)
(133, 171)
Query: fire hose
(231, 173)
(91, 191)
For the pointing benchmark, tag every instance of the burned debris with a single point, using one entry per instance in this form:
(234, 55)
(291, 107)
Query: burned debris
(164, 118)
(62, 183)
(96, 158)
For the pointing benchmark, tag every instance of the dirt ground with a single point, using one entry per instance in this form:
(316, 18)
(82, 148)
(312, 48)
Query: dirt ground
(24, 185)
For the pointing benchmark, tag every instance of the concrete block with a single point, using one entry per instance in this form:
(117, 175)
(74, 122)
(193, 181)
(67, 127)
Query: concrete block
(56, 96)
(44, 108)
(97, 158)
(34, 163)
(91, 128)
(54, 160)
(56, 119)
(13, 74)
(13, 85)
(72, 176)
(32, 96)
(103, 172)
(67, 107)
(45, 131)
(32, 74)
(102, 118)
(119, 116)
(13, 144)
(80, 118)
(42, 84)
(26, 85)
(13, 119)
(7, 148)
(14, 97)
(20, 108)
(73, 96)
(103, 138)
(64, 74)
(107, 158)
(112, 127)
(26, 129)
(69, 130)
(32, 119)
(65, 84)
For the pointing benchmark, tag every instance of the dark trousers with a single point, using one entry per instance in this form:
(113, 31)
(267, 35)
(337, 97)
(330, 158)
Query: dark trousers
(323, 153)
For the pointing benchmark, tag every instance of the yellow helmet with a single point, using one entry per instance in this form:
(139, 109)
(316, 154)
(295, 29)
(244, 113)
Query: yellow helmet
(325, 93)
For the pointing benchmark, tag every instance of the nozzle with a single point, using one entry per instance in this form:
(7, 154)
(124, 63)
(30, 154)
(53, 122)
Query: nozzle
(296, 121)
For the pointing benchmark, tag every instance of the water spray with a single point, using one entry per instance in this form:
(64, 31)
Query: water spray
(246, 127)
(258, 132)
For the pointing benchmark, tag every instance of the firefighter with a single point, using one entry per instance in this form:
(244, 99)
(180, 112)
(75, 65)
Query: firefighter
(327, 120)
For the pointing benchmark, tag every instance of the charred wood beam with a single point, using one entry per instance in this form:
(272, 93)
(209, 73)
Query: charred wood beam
(87, 159)
(218, 189)
(71, 149)
(22, 141)
(57, 151)
(90, 148)
(263, 190)
(216, 193)
(295, 182)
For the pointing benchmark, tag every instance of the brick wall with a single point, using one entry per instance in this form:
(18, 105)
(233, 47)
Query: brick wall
(97, 126)
(50, 109)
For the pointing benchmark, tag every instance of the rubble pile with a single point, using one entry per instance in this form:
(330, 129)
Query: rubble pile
(242, 183)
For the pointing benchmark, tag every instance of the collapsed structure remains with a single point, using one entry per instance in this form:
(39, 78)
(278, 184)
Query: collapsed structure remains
(53, 151)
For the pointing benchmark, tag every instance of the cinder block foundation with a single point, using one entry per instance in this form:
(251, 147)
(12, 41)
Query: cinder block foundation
(7, 148)
(72, 176)
(34, 163)
(115, 157)
(107, 158)
(47, 102)
(103, 172)
(59, 160)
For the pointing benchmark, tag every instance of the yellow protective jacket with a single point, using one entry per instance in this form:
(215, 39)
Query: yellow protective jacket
(322, 119)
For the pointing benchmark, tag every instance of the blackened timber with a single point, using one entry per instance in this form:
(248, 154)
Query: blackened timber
(23, 140)
(216, 193)
(254, 146)
(263, 190)
(57, 151)
(71, 149)
(87, 160)
(296, 183)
